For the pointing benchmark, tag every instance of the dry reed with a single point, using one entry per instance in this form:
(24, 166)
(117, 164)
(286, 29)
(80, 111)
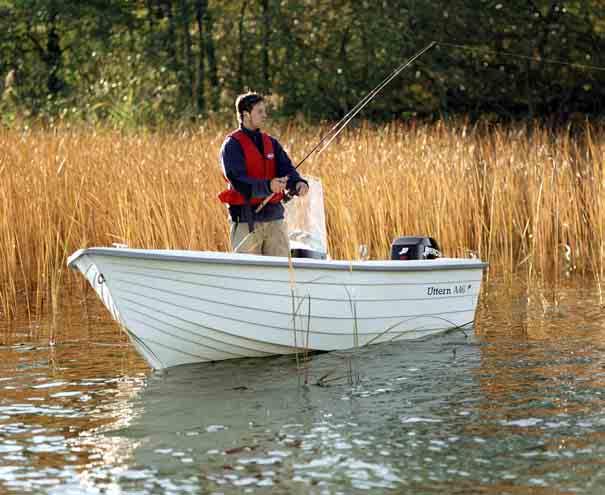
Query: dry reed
(521, 199)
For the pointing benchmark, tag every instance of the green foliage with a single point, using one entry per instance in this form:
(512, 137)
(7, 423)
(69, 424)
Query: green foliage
(129, 63)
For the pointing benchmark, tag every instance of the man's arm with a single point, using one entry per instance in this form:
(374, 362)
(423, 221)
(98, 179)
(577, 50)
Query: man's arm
(284, 167)
(234, 168)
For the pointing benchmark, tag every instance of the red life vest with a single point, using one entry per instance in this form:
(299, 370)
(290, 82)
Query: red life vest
(257, 166)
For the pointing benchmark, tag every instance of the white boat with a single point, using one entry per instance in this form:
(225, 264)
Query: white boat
(181, 307)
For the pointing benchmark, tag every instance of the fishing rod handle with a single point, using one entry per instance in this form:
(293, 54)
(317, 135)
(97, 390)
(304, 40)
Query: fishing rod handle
(265, 201)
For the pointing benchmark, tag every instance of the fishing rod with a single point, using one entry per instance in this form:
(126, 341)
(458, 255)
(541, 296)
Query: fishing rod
(342, 123)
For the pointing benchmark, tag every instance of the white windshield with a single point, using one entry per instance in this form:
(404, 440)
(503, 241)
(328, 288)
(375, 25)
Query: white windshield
(307, 220)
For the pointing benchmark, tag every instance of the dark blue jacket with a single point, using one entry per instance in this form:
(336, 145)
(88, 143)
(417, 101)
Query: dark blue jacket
(234, 168)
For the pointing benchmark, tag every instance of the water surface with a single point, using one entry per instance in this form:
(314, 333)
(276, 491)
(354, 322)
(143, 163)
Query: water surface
(517, 407)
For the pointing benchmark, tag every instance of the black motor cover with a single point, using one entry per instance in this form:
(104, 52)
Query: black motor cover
(415, 248)
(307, 253)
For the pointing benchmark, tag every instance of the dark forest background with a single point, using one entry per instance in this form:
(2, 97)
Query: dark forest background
(149, 62)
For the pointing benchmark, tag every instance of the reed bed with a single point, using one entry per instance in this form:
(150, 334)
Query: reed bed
(522, 198)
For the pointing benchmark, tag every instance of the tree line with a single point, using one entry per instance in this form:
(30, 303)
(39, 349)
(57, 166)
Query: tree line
(138, 62)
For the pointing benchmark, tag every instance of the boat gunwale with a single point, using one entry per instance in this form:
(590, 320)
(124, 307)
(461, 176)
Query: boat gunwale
(272, 261)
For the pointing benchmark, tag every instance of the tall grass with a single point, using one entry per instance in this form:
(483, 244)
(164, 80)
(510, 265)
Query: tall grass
(520, 198)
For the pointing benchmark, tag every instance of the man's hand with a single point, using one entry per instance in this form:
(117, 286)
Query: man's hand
(278, 184)
(302, 188)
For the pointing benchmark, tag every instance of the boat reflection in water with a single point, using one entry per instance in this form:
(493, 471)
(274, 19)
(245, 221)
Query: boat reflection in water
(333, 418)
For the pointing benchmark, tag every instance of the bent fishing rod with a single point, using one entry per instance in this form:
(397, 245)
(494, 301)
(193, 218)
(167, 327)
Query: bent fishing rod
(325, 141)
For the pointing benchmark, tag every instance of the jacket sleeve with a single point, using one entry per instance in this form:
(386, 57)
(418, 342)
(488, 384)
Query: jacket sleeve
(285, 167)
(234, 168)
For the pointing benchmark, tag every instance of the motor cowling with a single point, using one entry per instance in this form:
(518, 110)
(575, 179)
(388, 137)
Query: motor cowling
(307, 253)
(414, 248)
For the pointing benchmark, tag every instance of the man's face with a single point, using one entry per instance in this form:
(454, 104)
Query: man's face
(258, 114)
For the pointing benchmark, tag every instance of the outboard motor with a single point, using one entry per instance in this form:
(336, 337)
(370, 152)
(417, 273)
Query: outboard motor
(415, 248)
(302, 251)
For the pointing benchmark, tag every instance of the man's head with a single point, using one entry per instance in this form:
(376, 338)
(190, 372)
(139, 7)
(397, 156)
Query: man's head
(250, 108)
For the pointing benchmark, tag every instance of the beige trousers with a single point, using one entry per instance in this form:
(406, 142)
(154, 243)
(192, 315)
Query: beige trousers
(268, 238)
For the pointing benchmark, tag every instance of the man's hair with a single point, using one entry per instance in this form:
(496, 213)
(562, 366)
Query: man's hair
(245, 102)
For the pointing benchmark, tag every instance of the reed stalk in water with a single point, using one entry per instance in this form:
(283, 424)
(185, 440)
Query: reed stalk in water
(522, 198)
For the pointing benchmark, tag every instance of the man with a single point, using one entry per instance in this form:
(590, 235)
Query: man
(256, 167)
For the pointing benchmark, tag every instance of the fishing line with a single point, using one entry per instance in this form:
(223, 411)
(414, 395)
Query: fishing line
(342, 123)
(524, 57)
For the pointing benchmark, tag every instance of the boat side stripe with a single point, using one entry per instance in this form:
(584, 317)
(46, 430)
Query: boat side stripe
(289, 314)
(193, 333)
(409, 318)
(248, 291)
(180, 351)
(392, 334)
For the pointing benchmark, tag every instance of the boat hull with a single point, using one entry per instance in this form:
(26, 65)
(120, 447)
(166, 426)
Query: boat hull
(181, 307)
